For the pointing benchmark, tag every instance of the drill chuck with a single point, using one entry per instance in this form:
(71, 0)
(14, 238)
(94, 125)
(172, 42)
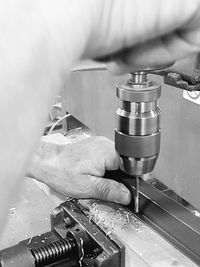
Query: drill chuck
(137, 132)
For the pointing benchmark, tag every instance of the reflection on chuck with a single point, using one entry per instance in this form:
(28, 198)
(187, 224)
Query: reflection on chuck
(137, 132)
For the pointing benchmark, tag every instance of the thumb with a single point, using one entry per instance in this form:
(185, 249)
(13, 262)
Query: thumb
(109, 190)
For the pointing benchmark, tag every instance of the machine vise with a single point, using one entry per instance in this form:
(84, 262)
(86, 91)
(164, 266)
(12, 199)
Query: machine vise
(74, 240)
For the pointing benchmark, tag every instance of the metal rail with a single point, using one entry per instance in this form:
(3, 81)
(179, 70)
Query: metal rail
(166, 216)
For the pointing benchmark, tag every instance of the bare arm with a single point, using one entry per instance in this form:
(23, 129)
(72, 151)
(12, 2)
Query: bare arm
(33, 60)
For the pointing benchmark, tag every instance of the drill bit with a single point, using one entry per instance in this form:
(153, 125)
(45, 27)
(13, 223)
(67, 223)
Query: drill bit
(137, 185)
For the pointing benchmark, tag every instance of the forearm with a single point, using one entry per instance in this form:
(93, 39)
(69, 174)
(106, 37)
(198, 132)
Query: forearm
(31, 74)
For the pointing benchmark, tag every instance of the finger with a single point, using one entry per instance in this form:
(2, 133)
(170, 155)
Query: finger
(107, 153)
(87, 186)
(112, 161)
(110, 154)
(106, 189)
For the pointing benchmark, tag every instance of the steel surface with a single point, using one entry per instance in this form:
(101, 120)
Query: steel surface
(166, 216)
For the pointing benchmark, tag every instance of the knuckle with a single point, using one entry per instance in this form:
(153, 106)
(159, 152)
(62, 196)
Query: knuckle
(103, 190)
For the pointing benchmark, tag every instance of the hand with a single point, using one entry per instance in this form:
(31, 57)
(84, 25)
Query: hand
(77, 169)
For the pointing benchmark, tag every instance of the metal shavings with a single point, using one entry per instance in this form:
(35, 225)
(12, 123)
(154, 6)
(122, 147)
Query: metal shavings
(29, 241)
(125, 226)
(127, 218)
(94, 204)
(135, 220)
(196, 213)
(82, 253)
(132, 223)
(12, 210)
(108, 233)
(69, 198)
(90, 217)
(118, 217)
(100, 219)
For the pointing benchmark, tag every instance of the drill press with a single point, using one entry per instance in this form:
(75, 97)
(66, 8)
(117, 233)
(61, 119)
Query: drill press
(137, 132)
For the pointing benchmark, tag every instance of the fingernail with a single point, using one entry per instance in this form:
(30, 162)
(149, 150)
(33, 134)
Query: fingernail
(124, 196)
